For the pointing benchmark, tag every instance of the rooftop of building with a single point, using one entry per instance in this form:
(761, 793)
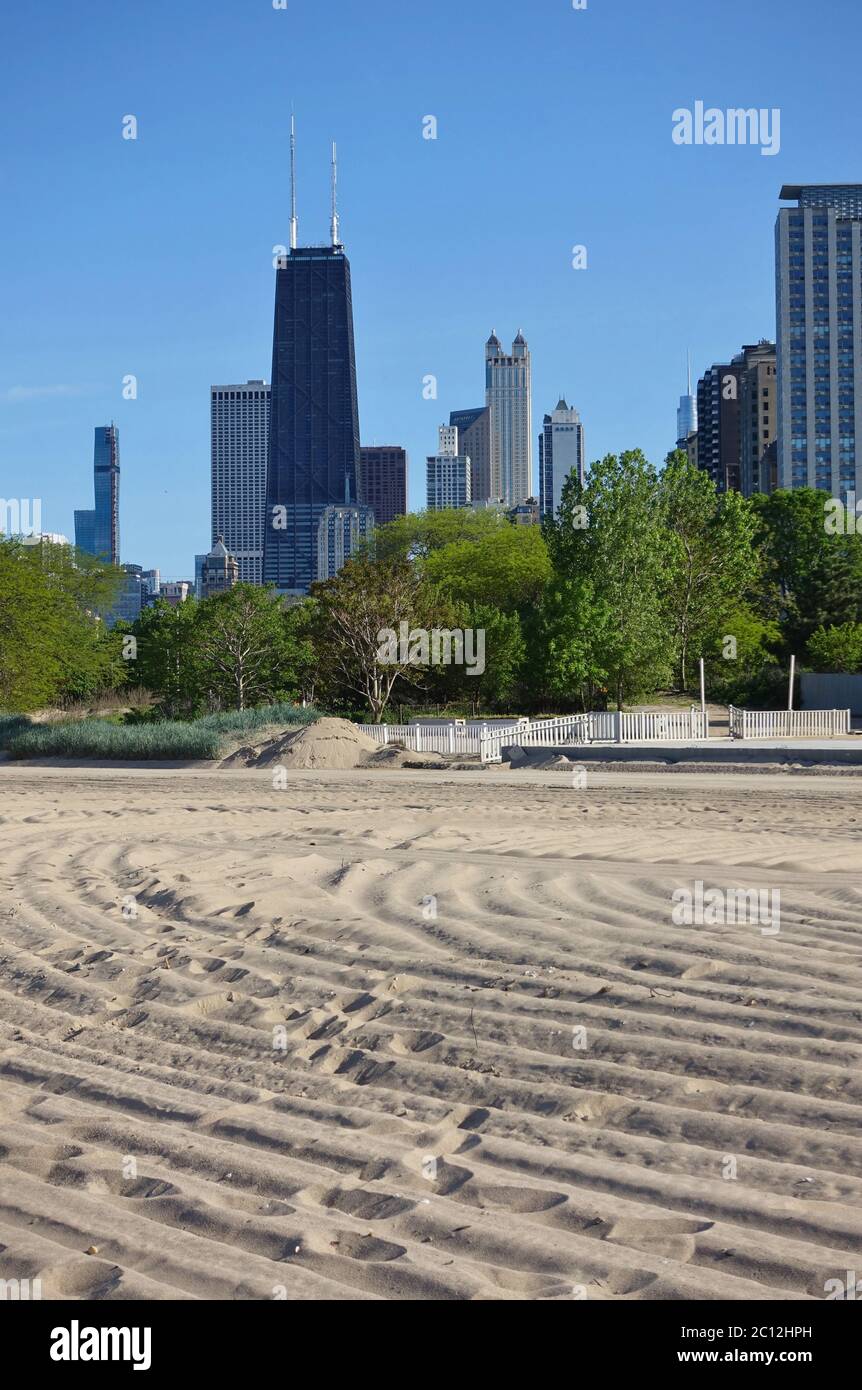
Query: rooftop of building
(795, 190)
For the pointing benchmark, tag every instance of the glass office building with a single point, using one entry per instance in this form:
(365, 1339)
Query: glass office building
(313, 456)
(818, 257)
(98, 531)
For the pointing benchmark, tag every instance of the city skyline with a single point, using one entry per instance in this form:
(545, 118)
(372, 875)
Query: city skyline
(140, 273)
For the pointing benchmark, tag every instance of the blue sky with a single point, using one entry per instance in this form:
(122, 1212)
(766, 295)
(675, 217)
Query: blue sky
(154, 257)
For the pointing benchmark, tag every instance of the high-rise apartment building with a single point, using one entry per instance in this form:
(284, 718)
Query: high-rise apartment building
(718, 425)
(239, 437)
(818, 261)
(383, 480)
(340, 533)
(758, 419)
(448, 481)
(474, 433)
(98, 531)
(737, 420)
(508, 395)
(314, 416)
(561, 452)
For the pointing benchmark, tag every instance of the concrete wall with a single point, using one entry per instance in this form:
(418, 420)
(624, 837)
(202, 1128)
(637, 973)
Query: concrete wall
(839, 691)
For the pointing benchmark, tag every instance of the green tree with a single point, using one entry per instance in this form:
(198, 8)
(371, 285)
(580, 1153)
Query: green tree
(836, 648)
(811, 577)
(609, 534)
(711, 560)
(244, 649)
(168, 659)
(357, 628)
(52, 642)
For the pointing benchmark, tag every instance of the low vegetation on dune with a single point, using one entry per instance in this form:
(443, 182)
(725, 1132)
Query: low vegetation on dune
(167, 739)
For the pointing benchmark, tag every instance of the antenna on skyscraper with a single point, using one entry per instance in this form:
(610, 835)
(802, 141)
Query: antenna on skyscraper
(688, 360)
(334, 226)
(293, 221)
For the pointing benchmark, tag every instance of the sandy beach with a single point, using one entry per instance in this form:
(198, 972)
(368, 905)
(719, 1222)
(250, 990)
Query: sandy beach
(426, 1036)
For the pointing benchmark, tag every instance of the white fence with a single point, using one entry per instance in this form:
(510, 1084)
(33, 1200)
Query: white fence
(603, 727)
(489, 738)
(786, 723)
(435, 738)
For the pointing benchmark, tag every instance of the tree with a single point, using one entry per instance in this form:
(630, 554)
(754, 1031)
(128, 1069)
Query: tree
(811, 577)
(619, 557)
(711, 561)
(168, 658)
(362, 624)
(52, 642)
(245, 647)
(836, 648)
(509, 568)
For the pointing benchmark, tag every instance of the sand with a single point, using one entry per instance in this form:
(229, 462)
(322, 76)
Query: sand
(322, 1042)
(329, 743)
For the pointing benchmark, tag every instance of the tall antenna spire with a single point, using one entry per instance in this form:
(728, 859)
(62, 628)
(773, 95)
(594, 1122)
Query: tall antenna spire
(334, 224)
(688, 359)
(293, 221)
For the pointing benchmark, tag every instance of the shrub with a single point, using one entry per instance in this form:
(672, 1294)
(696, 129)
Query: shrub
(164, 739)
(10, 726)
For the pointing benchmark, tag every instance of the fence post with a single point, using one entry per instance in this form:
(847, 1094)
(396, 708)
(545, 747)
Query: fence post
(418, 738)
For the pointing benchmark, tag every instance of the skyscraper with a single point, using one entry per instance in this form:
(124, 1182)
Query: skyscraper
(718, 451)
(508, 395)
(736, 420)
(383, 480)
(818, 273)
(313, 459)
(474, 432)
(561, 452)
(98, 531)
(239, 437)
(686, 415)
(340, 533)
(448, 482)
(758, 420)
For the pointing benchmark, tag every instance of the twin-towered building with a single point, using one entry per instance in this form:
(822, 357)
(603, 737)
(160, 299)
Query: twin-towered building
(489, 459)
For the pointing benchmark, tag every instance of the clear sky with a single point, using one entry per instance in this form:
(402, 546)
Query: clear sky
(153, 257)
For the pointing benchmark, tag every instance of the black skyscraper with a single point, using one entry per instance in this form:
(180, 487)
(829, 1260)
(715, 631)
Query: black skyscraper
(314, 419)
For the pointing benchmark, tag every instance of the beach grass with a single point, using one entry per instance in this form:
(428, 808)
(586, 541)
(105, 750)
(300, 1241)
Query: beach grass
(164, 739)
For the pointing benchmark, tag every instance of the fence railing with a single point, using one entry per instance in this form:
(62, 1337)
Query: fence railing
(789, 723)
(436, 738)
(602, 727)
(488, 738)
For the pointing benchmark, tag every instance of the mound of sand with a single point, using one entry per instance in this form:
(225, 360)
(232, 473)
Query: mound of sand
(332, 744)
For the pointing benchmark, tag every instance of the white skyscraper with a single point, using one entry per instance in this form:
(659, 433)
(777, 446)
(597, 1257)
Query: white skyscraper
(448, 479)
(686, 415)
(561, 452)
(239, 418)
(508, 395)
